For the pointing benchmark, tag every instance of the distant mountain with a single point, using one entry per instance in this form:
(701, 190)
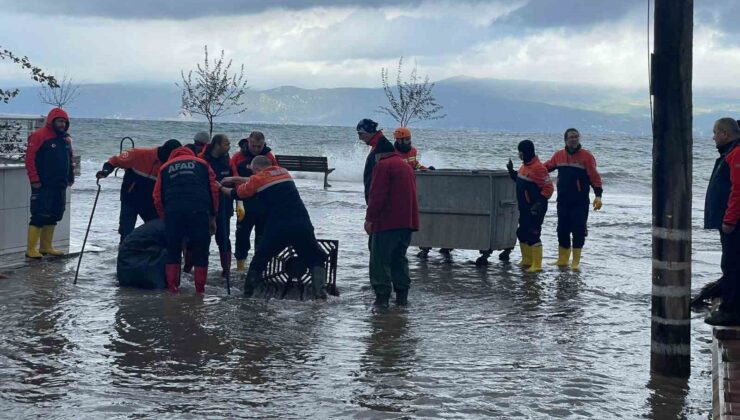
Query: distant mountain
(484, 104)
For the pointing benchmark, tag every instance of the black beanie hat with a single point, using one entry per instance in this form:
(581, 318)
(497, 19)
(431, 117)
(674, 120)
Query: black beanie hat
(367, 125)
(527, 149)
(163, 151)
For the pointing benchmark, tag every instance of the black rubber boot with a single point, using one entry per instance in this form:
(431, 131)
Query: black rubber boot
(381, 301)
(402, 297)
(251, 280)
(318, 281)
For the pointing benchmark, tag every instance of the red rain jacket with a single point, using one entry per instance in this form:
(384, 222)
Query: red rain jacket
(732, 214)
(392, 198)
(49, 155)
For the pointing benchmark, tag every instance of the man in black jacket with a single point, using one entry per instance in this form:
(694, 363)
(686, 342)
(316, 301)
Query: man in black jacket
(368, 133)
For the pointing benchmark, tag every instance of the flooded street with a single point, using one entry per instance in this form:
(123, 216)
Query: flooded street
(474, 342)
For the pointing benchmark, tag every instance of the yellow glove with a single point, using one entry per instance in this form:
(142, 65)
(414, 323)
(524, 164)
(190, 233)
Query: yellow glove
(239, 213)
(597, 203)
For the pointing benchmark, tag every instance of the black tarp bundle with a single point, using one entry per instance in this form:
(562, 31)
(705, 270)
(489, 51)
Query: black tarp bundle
(142, 257)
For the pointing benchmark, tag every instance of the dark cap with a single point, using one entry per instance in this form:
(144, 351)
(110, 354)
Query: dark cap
(366, 125)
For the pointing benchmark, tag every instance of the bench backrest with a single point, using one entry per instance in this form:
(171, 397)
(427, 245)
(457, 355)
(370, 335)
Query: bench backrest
(303, 163)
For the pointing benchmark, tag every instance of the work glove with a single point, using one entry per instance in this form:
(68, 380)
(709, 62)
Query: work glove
(597, 203)
(510, 166)
(102, 174)
(239, 213)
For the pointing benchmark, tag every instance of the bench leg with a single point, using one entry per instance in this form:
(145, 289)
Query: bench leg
(326, 182)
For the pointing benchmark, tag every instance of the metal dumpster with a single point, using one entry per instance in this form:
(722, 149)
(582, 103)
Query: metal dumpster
(466, 209)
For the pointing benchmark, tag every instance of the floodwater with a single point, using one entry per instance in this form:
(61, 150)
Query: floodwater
(474, 342)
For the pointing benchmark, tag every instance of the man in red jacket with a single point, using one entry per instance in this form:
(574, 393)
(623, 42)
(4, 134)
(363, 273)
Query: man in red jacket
(50, 171)
(722, 212)
(392, 215)
(186, 196)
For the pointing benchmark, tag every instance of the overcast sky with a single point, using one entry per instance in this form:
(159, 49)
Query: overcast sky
(332, 43)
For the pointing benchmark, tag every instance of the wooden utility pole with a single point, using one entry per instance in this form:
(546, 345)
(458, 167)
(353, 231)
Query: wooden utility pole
(670, 350)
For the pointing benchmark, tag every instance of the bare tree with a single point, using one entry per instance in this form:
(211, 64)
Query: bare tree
(415, 101)
(36, 74)
(213, 92)
(64, 94)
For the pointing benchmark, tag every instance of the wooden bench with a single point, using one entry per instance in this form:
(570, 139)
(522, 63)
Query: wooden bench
(306, 164)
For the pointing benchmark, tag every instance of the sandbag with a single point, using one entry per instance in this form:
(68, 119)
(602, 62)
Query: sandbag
(142, 257)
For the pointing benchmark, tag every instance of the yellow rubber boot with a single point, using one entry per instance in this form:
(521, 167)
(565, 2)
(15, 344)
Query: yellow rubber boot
(576, 264)
(34, 233)
(536, 252)
(526, 255)
(241, 265)
(563, 257)
(47, 235)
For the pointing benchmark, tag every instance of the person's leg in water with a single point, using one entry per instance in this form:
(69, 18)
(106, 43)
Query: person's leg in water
(564, 231)
(200, 240)
(309, 251)
(243, 233)
(126, 220)
(175, 232)
(579, 226)
(273, 241)
(400, 266)
(381, 256)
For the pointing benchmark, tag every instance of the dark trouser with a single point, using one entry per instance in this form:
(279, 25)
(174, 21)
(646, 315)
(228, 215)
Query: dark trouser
(223, 230)
(277, 237)
(47, 205)
(730, 271)
(129, 213)
(251, 220)
(530, 226)
(388, 263)
(194, 226)
(572, 219)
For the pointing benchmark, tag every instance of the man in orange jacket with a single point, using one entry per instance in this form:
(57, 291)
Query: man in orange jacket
(50, 171)
(533, 189)
(577, 174)
(142, 168)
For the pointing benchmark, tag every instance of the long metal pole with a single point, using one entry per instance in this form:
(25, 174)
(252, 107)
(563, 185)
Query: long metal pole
(87, 232)
(670, 350)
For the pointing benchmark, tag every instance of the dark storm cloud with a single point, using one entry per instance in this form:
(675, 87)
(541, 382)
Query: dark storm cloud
(180, 9)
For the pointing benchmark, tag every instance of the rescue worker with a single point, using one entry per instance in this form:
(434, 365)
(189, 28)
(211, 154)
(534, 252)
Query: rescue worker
(367, 131)
(217, 156)
(288, 223)
(142, 168)
(533, 189)
(200, 141)
(408, 153)
(722, 212)
(250, 212)
(186, 197)
(50, 171)
(392, 215)
(577, 174)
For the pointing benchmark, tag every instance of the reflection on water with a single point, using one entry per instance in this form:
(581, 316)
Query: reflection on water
(387, 363)
(475, 342)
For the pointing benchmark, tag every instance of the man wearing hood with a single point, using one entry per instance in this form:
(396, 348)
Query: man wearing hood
(50, 171)
(142, 168)
(186, 197)
(368, 133)
(533, 189)
(577, 174)
(200, 141)
(250, 213)
(722, 212)
(216, 154)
